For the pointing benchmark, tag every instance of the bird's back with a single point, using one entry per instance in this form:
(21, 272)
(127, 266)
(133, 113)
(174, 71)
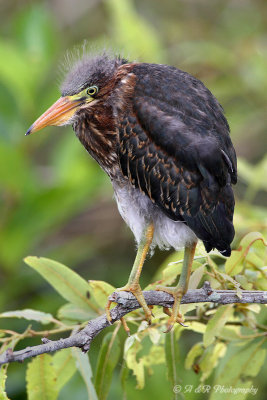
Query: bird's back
(176, 149)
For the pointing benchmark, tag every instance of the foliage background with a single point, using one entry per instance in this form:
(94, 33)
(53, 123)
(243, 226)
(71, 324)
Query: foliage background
(55, 201)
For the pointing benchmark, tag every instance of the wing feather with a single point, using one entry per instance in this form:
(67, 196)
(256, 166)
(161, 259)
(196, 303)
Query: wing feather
(175, 147)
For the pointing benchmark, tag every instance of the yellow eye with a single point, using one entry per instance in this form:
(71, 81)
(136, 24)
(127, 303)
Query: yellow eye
(92, 90)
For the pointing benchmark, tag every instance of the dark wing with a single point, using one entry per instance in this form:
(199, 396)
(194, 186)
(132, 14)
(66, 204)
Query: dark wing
(175, 147)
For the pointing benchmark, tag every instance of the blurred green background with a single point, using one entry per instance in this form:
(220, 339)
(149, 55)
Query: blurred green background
(55, 201)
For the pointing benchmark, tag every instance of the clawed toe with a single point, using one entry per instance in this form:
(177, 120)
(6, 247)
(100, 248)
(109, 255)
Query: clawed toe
(175, 315)
(136, 290)
(171, 321)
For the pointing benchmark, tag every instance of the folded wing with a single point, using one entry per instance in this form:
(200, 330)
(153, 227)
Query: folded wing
(175, 147)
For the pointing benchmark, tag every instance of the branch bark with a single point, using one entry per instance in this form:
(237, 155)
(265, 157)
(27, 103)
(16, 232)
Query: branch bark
(127, 303)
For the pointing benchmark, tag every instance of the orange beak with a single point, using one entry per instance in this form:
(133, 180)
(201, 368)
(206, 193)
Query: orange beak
(58, 114)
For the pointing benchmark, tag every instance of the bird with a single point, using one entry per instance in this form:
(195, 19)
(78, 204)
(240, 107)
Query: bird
(163, 139)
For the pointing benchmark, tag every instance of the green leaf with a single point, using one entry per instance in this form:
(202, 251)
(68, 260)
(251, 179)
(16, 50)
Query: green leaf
(216, 323)
(194, 281)
(64, 365)
(124, 376)
(196, 326)
(3, 369)
(210, 359)
(234, 264)
(196, 277)
(170, 273)
(230, 333)
(67, 282)
(73, 313)
(31, 315)
(193, 353)
(154, 335)
(155, 356)
(41, 379)
(3, 376)
(170, 269)
(172, 356)
(243, 281)
(233, 282)
(101, 291)
(107, 360)
(254, 175)
(256, 308)
(255, 259)
(242, 365)
(256, 362)
(131, 348)
(262, 284)
(84, 367)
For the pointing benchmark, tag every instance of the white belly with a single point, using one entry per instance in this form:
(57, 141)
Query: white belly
(137, 210)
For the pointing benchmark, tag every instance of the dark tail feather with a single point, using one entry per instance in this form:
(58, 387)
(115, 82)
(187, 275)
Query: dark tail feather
(216, 229)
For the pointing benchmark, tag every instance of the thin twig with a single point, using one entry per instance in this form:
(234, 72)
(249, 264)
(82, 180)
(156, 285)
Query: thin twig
(127, 303)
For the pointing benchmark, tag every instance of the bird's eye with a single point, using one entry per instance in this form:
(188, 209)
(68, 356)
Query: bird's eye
(92, 91)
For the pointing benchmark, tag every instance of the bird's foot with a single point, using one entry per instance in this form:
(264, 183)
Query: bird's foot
(175, 315)
(136, 290)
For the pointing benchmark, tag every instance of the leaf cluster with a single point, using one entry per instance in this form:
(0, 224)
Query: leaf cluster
(231, 332)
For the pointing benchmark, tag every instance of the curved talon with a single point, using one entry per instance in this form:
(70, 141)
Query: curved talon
(178, 291)
(151, 308)
(170, 322)
(175, 315)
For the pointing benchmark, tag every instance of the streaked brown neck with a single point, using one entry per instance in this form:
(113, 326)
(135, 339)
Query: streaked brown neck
(96, 130)
(96, 126)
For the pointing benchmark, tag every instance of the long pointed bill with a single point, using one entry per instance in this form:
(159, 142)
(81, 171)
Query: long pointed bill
(58, 114)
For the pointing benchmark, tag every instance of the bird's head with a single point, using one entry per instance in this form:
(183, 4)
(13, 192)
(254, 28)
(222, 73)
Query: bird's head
(89, 81)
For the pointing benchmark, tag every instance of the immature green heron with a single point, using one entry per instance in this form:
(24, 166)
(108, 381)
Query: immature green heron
(162, 138)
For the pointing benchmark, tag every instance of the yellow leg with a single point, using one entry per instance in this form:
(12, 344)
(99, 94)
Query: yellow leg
(133, 285)
(178, 291)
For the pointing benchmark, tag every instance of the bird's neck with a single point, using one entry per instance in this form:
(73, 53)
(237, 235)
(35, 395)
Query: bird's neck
(97, 132)
(96, 126)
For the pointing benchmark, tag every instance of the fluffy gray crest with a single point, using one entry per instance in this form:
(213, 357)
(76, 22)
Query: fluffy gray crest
(89, 70)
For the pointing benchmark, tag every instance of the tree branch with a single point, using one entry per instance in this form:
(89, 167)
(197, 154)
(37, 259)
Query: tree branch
(127, 303)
